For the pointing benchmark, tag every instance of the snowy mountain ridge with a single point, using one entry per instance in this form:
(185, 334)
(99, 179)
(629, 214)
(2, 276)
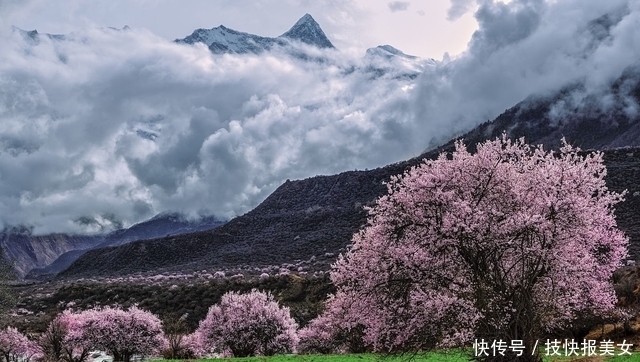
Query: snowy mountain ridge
(225, 40)
(388, 52)
(33, 37)
(383, 60)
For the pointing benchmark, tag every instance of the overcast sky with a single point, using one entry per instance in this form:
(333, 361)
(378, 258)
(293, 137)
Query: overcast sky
(421, 28)
(110, 128)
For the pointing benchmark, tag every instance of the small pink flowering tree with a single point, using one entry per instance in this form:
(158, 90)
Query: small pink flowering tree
(15, 346)
(248, 324)
(333, 331)
(192, 346)
(179, 343)
(507, 243)
(65, 338)
(318, 337)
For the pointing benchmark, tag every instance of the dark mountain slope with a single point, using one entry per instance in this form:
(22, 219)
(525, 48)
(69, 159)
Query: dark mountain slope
(601, 119)
(299, 220)
(302, 219)
(623, 173)
(161, 225)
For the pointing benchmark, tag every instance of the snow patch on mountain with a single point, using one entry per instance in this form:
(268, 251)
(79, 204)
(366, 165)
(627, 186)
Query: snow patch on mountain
(384, 59)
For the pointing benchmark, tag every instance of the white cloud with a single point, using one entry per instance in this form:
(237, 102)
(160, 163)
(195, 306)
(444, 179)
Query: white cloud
(398, 6)
(124, 123)
(521, 48)
(459, 8)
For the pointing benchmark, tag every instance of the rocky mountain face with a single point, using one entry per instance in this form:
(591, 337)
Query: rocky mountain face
(34, 255)
(379, 61)
(222, 40)
(28, 252)
(388, 52)
(33, 37)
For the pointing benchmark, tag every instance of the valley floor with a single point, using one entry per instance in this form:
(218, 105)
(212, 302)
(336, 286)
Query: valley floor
(39, 303)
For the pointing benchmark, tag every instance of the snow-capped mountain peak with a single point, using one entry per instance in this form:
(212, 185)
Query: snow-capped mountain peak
(307, 30)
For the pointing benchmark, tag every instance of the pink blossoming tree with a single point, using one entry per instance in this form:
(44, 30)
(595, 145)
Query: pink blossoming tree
(248, 324)
(15, 346)
(507, 243)
(124, 333)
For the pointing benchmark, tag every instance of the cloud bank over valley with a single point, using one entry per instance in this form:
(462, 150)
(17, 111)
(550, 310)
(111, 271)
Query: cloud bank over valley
(103, 128)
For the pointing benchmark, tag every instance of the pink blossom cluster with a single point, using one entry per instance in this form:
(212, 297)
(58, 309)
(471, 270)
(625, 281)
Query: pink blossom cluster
(245, 271)
(16, 346)
(333, 331)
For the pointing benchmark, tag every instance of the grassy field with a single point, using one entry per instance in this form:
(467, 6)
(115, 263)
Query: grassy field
(454, 356)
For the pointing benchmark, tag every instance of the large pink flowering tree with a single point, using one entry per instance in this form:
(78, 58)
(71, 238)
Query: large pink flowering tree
(248, 324)
(506, 243)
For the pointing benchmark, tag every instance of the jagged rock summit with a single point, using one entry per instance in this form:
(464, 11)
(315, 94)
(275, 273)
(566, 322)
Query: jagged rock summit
(385, 60)
(222, 40)
(33, 36)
